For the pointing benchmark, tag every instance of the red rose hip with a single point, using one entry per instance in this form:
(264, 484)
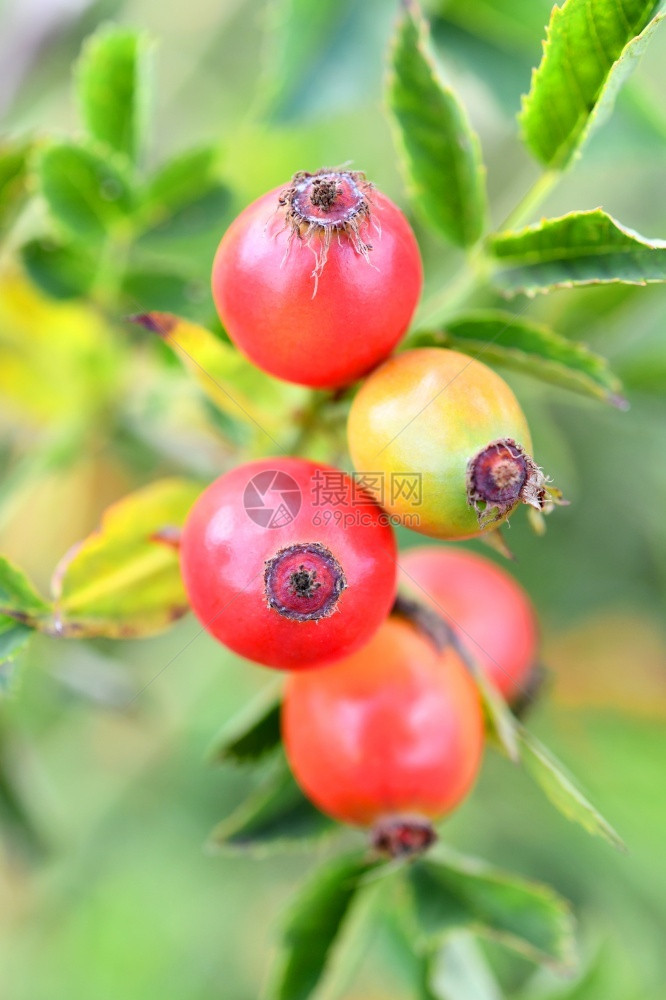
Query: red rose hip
(390, 737)
(317, 282)
(491, 612)
(287, 564)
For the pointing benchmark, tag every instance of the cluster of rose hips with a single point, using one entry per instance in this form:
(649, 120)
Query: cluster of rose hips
(316, 284)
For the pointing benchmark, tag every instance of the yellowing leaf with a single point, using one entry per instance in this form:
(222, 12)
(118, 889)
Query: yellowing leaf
(121, 581)
(59, 359)
(13, 179)
(228, 379)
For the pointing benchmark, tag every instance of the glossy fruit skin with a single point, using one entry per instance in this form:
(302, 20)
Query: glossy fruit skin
(491, 612)
(223, 561)
(429, 411)
(263, 291)
(394, 730)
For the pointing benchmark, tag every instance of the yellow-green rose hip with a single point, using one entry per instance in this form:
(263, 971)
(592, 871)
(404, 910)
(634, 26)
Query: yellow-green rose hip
(444, 443)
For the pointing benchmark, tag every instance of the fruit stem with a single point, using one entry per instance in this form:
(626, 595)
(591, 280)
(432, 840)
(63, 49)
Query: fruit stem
(426, 620)
(531, 200)
(106, 286)
(308, 419)
(531, 692)
(468, 279)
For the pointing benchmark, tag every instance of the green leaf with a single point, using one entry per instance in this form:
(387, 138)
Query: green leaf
(313, 923)
(506, 24)
(501, 726)
(186, 197)
(19, 600)
(276, 817)
(21, 611)
(598, 980)
(206, 214)
(526, 346)
(63, 271)
(300, 39)
(15, 819)
(500, 722)
(7, 673)
(163, 290)
(451, 891)
(121, 582)
(14, 637)
(591, 47)
(180, 181)
(645, 370)
(13, 180)
(252, 734)
(85, 192)
(352, 944)
(582, 248)
(441, 153)
(563, 791)
(229, 380)
(459, 971)
(111, 83)
(413, 964)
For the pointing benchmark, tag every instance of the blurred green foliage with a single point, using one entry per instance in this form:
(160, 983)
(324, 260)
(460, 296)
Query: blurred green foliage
(104, 798)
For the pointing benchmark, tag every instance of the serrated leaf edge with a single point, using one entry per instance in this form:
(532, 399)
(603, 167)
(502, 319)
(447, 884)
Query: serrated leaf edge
(411, 10)
(592, 115)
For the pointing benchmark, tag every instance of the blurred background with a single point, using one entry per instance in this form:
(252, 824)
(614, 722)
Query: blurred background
(105, 796)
